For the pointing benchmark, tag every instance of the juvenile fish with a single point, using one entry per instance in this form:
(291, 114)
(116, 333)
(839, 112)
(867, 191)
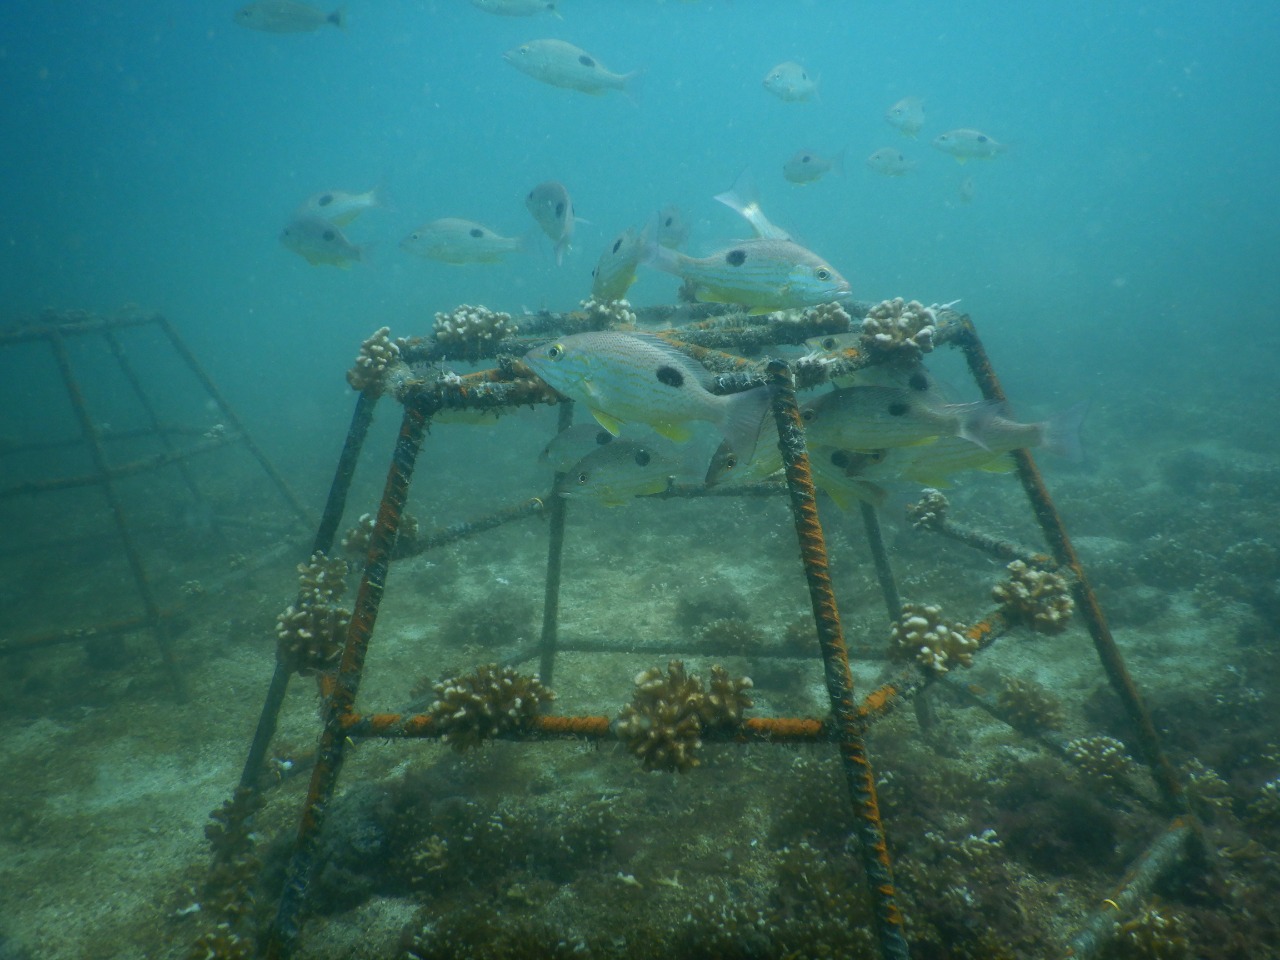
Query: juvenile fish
(319, 242)
(552, 209)
(761, 274)
(964, 145)
(285, 16)
(453, 240)
(791, 82)
(338, 206)
(615, 271)
(618, 472)
(890, 162)
(907, 115)
(518, 8)
(632, 377)
(806, 166)
(562, 64)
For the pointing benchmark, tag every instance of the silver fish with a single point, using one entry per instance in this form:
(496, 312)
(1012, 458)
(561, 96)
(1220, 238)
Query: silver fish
(518, 8)
(890, 162)
(631, 377)
(806, 166)
(453, 240)
(319, 242)
(673, 229)
(551, 207)
(762, 275)
(615, 271)
(966, 144)
(569, 446)
(791, 82)
(338, 206)
(865, 418)
(619, 471)
(907, 115)
(562, 64)
(285, 16)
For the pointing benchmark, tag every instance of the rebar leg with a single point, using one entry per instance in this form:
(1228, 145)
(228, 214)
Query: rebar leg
(869, 828)
(555, 554)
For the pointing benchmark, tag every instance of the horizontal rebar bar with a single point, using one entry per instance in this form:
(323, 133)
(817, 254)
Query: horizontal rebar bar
(81, 325)
(106, 436)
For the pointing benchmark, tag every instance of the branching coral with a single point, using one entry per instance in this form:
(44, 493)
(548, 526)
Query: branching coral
(472, 331)
(1265, 809)
(930, 511)
(1029, 706)
(922, 634)
(604, 314)
(355, 542)
(311, 630)
(489, 701)
(1101, 759)
(664, 722)
(377, 355)
(1154, 934)
(1039, 598)
(897, 330)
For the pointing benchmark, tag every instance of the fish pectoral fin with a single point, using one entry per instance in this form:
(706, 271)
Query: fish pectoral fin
(679, 432)
(612, 424)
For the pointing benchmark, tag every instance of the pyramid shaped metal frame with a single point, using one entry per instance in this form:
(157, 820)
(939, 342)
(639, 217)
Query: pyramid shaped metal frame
(56, 329)
(509, 384)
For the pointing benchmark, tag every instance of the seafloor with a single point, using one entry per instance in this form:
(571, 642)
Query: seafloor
(1002, 847)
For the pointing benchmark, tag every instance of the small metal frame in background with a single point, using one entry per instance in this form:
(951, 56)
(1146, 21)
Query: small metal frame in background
(851, 716)
(178, 445)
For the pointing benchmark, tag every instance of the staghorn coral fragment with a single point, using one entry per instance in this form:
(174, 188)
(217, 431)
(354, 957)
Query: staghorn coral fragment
(898, 331)
(1039, 598)
(376, 356)
(922, 634)
(310, 631)
(485, 703)
(663, 724)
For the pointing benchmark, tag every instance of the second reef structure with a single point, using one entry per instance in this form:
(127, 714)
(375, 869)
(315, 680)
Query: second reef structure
(672, 711)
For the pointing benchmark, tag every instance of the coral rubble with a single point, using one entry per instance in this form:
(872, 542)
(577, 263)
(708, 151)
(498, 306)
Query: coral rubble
(489, 701)
(664, 722)
(923, 635)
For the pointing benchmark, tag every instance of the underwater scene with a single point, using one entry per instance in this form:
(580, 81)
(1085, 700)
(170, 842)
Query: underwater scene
(617, 479)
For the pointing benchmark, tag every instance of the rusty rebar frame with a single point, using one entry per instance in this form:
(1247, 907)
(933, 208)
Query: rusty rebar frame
(849, 721)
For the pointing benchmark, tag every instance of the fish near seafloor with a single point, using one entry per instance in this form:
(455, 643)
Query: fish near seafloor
(285, 16)
(319, 242)
(790, 82)
(457, 241)
(552, 209)
(617, 472)
(878, 417)
(338, 206)
(966, 144)
(634, 377)
(615, 271)
(907, 115)
(806, 166)
(890, 162)
(762, 275)
(562, 64)
(518, 8)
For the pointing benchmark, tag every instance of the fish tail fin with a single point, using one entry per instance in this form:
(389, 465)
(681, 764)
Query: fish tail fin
(975, 421)
(654, 253)
(743, 197)
(744, 415)
(633, 85)
(1060, 434)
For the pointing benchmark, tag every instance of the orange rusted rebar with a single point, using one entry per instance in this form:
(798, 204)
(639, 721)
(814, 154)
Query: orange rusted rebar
(1055, 533)
(835, 658)
(341, 695)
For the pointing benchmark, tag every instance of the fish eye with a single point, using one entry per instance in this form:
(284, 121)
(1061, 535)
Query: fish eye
(824, 273)
(828, 343)
(731, 461)
(554, 352)
(807, 414)
(584, 477)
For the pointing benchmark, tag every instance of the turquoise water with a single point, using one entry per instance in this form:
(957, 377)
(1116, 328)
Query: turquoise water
(1122, 250)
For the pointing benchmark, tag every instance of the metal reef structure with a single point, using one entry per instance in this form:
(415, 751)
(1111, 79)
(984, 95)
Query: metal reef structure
(723, 340)
(180, 446)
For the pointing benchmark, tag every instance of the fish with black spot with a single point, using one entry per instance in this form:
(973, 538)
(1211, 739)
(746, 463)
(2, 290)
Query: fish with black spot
(620, 471)
(457, 241)
(638, 378)
(319, 242)
(615, 271)
(552, 208)
(873, 417)
(561, 64)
